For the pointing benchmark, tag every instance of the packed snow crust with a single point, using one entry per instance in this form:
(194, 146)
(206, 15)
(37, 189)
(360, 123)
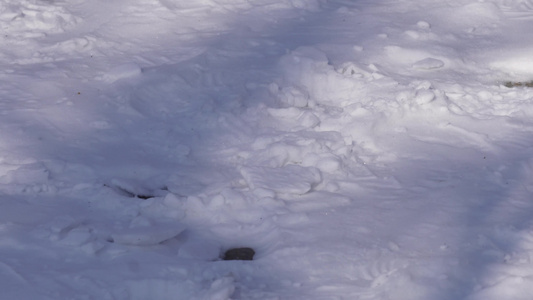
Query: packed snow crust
(363, 149)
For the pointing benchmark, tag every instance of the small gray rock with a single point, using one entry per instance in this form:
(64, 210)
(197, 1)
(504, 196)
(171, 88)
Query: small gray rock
(239, 254)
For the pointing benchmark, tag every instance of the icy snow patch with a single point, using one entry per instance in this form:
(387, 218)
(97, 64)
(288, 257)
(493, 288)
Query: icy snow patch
(144, 236)
(515, 62)
(428, 64)
(122, 71)
(35, 173)
(291, 179)
(200, 250)
(221, 289)
(420, 59)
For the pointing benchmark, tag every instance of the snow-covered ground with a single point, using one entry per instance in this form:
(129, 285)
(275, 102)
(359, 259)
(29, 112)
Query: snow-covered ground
(364, 149)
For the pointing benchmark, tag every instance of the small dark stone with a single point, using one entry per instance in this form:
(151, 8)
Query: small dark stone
(511, 84)
(239, 254)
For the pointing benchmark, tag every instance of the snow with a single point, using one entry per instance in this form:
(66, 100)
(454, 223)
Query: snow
(363, 149)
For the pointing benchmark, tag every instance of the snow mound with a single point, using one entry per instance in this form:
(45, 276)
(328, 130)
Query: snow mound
(310, 79)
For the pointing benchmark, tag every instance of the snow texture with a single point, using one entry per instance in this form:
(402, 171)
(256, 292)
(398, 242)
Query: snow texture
(362, 149)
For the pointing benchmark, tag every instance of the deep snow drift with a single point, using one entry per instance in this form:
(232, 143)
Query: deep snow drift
(363, 149)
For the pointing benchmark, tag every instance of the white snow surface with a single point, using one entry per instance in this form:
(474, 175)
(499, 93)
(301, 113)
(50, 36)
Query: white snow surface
(364, 149)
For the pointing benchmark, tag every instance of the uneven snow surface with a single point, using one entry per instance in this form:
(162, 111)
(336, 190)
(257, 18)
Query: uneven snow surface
(364, 149)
